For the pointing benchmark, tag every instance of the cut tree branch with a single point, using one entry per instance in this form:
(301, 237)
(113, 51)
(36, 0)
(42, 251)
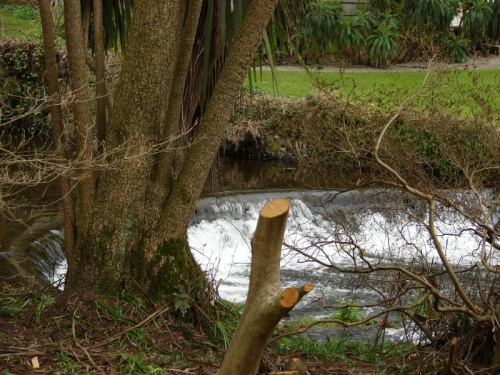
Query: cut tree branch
(265, 305)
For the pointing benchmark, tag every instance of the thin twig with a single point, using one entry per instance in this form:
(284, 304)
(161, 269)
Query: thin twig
(81, 346)
(138, 325)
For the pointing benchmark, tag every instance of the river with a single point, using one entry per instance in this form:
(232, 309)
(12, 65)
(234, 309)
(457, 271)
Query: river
(390, 227)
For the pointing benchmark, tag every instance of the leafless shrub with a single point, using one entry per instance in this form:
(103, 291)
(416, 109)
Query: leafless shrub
(243, 130)
(412, 269)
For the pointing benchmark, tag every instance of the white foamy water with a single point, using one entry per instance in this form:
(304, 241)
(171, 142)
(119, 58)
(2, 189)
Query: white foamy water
(222, 228)
(326, 224)
(388, 227)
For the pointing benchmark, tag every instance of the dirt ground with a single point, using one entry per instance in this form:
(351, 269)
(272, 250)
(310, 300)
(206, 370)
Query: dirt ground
(50, 333)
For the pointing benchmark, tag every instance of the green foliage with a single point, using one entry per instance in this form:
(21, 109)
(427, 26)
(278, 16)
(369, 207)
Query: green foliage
(456, 48)
(365, 20)
(66, 364)
(350, 38)
(116, 17)
(349, 312)
(182, 301)
(224, 331)
(428, 147)
(476, 16)
(21, 70)
(224, 327)
(41, 302)
(11, 307)
(295, 133)
(322, 23)
(436, 14)
(494, 22)
(382, 45)
(422, 309)
(23, 12)
(113, 314)
(126, 304)
(389, 19)
(333, 350)
(136, 364)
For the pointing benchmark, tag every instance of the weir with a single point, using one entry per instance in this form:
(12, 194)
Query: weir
(389, 225)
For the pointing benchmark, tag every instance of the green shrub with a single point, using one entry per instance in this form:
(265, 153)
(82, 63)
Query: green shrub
(322, 23)
(23, 89)
(456, 48)
(349, 313)
(494, 23)
(382, 45)
(477, 14)
(365, 20)
(350, 39)
(24, 12)
(436, 14)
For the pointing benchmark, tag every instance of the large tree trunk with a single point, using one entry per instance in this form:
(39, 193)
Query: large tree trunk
(81, 107)
(121, 216)
(139, 226)
(56, 120)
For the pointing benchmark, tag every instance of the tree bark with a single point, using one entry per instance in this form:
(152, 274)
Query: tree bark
(86, 23)
(125, 210)
(188, 186)
(172, 129)
(81, 107)
(100, 71)
(56, 120)
(265, 304)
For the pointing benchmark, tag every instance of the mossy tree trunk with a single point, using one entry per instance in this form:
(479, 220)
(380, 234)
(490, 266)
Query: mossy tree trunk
(134, 232)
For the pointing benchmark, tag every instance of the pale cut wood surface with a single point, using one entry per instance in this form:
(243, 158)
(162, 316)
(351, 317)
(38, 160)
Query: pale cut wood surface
(275, 208)
(289, 298)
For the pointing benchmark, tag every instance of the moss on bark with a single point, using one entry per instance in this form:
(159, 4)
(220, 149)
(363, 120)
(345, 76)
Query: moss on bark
(168, 270)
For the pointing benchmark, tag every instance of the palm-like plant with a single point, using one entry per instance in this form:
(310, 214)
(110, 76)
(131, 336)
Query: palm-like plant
(477, 14)
(494, 23)
(350, 38)
(389, 19)
(436, 14)
(322, 22)
(116, 17)
(382, 45)
(365, 20)
(456, 48)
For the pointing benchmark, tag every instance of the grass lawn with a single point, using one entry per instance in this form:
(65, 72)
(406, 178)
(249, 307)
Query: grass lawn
(13, 27)
(390, 86)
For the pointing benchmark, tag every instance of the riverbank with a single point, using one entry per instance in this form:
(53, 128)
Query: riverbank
(330, 142)
(40, 332)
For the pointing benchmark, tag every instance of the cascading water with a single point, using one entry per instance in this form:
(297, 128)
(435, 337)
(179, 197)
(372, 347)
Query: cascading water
(221, 231)
(389, 226)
